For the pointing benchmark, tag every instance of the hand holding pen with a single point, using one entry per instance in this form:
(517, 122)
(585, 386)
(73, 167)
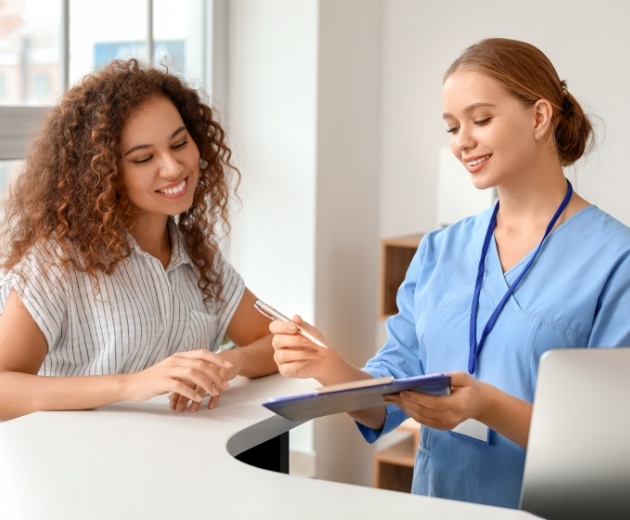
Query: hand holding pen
(296, 357)
(274, 314)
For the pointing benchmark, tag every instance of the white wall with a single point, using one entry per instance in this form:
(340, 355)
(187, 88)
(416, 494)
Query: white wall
(335, 117)
(272, 123)
(272, 128)
(348, 171)
(304, 119)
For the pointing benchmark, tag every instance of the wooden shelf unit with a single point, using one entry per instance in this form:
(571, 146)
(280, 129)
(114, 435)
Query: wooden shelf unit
(396, 255)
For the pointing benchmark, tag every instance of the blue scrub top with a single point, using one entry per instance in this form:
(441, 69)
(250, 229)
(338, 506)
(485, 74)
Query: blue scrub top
(576, 294)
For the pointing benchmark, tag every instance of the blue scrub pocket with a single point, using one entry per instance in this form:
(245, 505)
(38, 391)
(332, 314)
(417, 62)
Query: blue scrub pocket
(473, 431)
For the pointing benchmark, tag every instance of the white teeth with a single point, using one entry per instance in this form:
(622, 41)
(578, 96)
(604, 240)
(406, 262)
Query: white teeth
(478, 161)
(176, 189)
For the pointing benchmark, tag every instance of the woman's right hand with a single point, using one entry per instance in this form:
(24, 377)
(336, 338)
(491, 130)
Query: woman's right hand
(297, 356)
(190, 374)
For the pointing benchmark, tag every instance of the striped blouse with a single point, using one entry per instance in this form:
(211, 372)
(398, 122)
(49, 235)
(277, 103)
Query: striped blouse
(140, 314)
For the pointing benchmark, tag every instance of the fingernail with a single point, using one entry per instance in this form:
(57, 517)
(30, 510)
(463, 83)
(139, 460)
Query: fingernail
(198, 397)
(228, 364)
(180, 407)
(292, 327)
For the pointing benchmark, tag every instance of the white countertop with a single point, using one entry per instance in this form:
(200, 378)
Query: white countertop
(137, 461)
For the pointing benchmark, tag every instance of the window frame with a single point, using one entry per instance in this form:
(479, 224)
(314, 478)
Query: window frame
(18, 122)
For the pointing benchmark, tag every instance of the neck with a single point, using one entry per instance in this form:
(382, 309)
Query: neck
(530, 203)
(154, 239)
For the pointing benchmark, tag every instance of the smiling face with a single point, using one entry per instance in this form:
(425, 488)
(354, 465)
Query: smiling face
(160, 161)
(491, 132)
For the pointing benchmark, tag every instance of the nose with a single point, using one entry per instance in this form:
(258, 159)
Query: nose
(170, 167)
(463, 139)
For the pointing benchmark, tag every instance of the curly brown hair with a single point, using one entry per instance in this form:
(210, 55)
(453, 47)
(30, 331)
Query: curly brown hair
(70, 192)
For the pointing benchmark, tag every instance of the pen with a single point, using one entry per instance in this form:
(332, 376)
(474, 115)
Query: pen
(273, 314)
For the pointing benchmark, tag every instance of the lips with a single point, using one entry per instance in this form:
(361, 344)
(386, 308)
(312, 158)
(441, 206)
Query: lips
(478, 161)
(475, 164)
(174, 190)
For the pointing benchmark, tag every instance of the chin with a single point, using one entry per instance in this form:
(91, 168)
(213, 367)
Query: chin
(482, 184)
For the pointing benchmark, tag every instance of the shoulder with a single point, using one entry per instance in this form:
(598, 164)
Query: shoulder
(232, 281)
(610, 222)
(461, 235)
(594, 227)
(41, 259)
(39, 279)
(451, 247)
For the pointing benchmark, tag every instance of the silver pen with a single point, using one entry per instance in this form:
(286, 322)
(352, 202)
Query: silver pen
(274, 314)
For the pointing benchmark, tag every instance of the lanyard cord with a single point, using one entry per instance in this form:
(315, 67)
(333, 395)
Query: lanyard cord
(475, 348)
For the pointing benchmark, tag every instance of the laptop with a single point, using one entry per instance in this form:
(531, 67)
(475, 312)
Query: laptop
(578, 457)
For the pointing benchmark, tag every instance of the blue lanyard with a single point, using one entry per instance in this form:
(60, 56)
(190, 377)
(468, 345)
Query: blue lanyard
(475, 348)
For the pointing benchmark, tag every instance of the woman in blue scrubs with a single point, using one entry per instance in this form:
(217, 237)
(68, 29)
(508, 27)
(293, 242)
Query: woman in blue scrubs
(484, 298)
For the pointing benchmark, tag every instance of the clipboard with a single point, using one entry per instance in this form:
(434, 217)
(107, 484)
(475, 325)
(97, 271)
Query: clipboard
(356, 395)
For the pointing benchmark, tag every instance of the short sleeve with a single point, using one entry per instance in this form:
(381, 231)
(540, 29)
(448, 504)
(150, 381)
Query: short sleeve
(231, 294)
(43, 290)
(399, 356)
(611, 324)
(394, 417)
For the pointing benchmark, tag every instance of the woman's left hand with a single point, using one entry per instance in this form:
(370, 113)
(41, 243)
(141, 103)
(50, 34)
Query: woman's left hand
(469, 399)
(179, 403)
(444, 412)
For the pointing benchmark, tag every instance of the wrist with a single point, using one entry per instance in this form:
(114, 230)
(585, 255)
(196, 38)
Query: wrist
(486, 406)
(123, 387)
(234, 356)
(340, 371)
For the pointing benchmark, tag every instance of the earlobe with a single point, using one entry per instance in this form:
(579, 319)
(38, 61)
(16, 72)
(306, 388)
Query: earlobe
(543, 112)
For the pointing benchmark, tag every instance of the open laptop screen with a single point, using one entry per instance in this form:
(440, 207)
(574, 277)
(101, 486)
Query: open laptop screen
(578, 456)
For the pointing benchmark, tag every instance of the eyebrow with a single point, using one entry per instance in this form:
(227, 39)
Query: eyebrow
(468, 109)
(142, 146)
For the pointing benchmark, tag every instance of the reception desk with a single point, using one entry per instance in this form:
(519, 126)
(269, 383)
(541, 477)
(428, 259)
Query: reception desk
(144, 461)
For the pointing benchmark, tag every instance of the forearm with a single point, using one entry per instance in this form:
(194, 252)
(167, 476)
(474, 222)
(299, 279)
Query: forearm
(22, 393)
(345, 372)
(253, 360)
(372, 417)
(507, 415)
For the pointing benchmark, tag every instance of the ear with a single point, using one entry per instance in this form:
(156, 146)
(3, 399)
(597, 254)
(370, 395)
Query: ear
(543, 112)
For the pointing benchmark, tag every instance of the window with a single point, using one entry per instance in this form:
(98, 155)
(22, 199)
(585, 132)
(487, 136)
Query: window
(3, 88)
(8, 170)
(45, 45)
(29, 49)
(40, 90)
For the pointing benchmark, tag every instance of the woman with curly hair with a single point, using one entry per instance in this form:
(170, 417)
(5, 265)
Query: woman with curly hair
(115, 287)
